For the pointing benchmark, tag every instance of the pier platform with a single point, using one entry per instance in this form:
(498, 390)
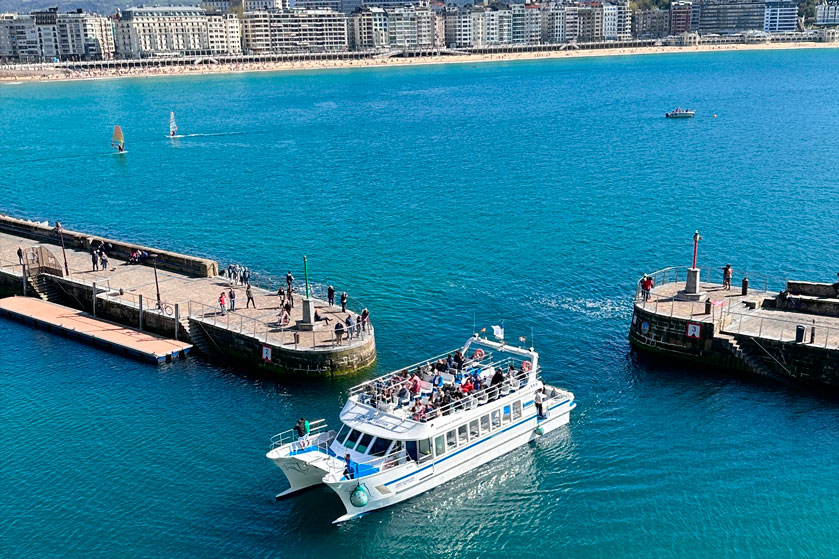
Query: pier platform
(189, 310)
(791, 332)
(78, 324)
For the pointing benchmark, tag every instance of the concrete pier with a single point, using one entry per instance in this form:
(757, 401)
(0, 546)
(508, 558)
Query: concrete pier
(792, 334)
(189, 309)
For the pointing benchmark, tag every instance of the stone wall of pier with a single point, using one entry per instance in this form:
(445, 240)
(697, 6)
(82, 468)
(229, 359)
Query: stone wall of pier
(166, 260)
(667, 336)
(334, 361)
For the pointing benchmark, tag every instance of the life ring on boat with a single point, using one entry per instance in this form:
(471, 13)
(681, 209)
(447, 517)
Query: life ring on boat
(526, 366)
(479, 354)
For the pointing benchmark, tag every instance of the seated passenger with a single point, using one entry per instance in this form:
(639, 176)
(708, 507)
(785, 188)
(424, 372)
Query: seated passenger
(497, 378)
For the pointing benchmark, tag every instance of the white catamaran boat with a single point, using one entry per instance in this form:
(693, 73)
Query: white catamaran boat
(400, 445)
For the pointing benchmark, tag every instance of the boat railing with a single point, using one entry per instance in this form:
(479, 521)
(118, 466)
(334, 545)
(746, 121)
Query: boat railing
(378, 463)
(476, 398)
(389, 380)
(316, 428)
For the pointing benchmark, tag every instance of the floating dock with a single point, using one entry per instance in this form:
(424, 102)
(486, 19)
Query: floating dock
(120, 339)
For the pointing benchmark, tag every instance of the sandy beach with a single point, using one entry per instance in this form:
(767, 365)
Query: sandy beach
(60, 74)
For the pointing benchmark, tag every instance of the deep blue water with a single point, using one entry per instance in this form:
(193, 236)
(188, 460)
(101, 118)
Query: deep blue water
(534, 192)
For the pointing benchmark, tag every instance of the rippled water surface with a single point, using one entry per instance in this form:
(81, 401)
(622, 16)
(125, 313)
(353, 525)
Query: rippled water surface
(533, 192)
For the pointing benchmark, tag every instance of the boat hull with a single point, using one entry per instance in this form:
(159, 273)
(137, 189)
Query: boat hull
(389, 487)
(304, 468)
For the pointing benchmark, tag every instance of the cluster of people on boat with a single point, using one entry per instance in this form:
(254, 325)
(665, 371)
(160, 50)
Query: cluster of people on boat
(456, 383)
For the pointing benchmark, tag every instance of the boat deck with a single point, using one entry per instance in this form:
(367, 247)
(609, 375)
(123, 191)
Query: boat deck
(141, 345)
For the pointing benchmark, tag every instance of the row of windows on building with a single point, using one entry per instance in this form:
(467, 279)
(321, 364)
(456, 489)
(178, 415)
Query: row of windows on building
(319, 26)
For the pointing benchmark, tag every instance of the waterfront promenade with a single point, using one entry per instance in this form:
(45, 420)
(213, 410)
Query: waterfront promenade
(309, 61)
(190, 307)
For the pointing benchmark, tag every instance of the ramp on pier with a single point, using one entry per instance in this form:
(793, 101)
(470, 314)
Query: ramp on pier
(88, 328)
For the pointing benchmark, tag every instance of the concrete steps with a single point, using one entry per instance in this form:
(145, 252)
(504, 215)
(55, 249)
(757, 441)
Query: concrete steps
(744, 354)
(199, 337)
(44, 289)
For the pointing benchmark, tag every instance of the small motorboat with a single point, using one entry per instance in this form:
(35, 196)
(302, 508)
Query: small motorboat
(680, 113)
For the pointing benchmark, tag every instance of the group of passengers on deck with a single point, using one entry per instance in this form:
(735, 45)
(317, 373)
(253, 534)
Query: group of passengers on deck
(455, 383)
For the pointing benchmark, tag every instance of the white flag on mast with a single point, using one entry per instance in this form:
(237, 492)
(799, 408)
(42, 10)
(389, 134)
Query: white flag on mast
(498, 331)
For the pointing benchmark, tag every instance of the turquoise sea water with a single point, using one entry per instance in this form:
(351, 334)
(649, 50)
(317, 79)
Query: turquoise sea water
(534, 192)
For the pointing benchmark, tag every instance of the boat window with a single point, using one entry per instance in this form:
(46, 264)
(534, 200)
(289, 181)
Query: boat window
(411, 450)
(505, 417)
(380, 447)
(352, 438)
(440, 445)
(496, 419)
(342, 433)
(463, 434)
(485, 425)
(451, 438)
(473, 429)
(364, 443)
(424, 449)
(516, 410)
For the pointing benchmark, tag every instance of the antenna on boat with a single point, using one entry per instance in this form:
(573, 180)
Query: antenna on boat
(473, 323)
(531, 339)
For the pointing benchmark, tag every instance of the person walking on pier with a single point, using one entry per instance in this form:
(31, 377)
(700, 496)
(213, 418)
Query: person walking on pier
(20, 258)
(232, 296)
(343, 301)
(727, 272)
(249, 295)
(330, 295)
(222, 304)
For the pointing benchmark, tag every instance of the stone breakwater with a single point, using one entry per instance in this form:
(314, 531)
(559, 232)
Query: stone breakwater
(787, 335)
(188, 308)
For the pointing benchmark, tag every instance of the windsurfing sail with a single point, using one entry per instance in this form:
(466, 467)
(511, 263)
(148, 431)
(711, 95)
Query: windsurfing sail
(173, 126)
(118, 141)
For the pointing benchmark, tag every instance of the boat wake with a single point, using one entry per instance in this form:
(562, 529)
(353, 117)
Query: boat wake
(206, 135)
(590, 308)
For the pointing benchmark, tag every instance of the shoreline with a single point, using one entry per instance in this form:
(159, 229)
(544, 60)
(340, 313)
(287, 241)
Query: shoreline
(253, 67)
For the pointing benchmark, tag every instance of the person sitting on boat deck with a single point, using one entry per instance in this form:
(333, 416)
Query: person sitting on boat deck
(450, 362)
(458, 360)
(437, 380)
(404, 394)
(349, 467)
(538, 398)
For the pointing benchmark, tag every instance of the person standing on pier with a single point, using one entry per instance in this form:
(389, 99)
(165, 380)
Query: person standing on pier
(290, 295)
(20, 258)
(350, 327)
(339, 331)
(232, 296)
(222, 304)
(365, 318)
(289, 279)
(95, 259)
(343, 301)
(330, 294)
(646, 286)
(727, 272)
(249, 294)
(103, 260)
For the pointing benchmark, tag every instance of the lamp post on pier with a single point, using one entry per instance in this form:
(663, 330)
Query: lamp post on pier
(308, 321)
(153, 257)
(692, 292)
(60, 230)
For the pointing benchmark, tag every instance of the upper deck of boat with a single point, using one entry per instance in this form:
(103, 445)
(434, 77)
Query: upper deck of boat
(377, 404)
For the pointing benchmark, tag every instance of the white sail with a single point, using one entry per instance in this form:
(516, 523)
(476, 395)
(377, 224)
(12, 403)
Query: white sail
(173, 126)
